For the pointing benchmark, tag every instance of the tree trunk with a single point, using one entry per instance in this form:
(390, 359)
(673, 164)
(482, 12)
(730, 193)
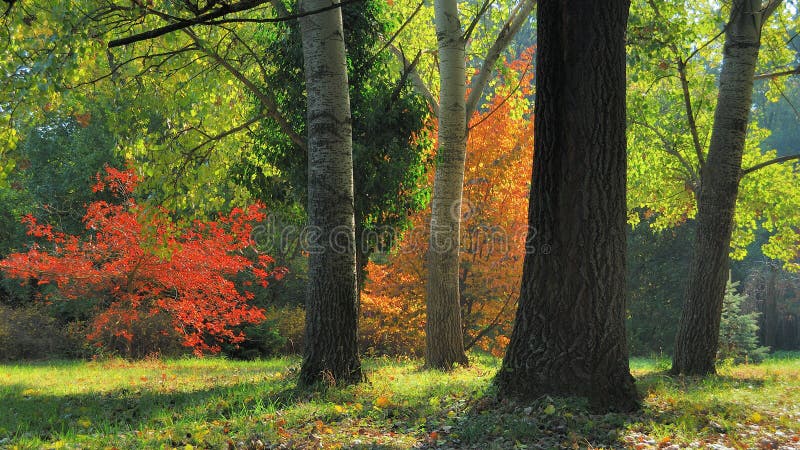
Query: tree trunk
(771, 307)
(331, 345)
(444, 341)
(698, 332)
(569, 333)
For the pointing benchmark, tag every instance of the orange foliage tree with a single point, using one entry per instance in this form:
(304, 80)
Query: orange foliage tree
(140, 264)
(494, 226)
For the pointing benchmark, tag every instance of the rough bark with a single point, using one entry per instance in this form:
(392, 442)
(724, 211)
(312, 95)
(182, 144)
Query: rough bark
(444, 342)
(331, 346)
(698, 332)
(569, 333)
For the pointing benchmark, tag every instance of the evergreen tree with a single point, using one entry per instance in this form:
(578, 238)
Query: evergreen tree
(738, 332)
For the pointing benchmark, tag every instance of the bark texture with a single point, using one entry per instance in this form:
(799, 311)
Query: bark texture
(331, 345)
(569, 333)
(698, 332)
(444, 341)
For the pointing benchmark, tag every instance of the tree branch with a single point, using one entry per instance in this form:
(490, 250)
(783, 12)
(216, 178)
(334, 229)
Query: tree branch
(795, 71)
(394, 36)
(513, 91)
(220, 136)
(769, 9)
(209, 19)
(687, 101)
(769, 163)
(404, 78)
(481, 11)
(478, 83)
(419, 84)
(269, 105)
(495, 322)
(670, 149)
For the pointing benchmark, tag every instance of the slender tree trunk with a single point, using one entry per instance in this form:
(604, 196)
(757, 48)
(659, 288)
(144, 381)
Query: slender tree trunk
(569, 333)
(331, 345)
(444, 341)
(771, 308)
(698, 332)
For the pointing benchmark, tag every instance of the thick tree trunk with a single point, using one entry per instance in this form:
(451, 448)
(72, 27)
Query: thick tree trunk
(569, 332)
(444, 341)
(698, 332)
(331, 345)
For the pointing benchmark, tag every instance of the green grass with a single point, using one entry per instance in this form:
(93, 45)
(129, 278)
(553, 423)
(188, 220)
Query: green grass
(215, 403)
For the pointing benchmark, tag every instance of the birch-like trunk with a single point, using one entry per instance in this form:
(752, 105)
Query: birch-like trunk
(698, 332)
(331, 346)
(444, 341)
(569, 332)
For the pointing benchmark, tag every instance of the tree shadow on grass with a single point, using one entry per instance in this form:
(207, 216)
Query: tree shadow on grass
(26, 412)
(549, 423)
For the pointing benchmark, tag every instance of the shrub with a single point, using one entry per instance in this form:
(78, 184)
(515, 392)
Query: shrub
(30, 333)
(391, 325)
(147, 267)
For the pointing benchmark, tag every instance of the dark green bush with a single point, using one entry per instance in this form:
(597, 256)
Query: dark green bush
(30, 332)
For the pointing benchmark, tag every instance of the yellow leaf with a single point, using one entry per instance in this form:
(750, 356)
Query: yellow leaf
(382, 402)
(338, 408)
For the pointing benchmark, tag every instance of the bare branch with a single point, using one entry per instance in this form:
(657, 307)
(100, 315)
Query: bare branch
(770, 8)
(518, 16)
(494, 323)
(481, 11)
(210, 19)
(670, 149)
(513, 91)
(404, 77)
(708, 42)
(419, 84)
(769, 163)
(226, 133)
(391, 40)
(267, 102)
(280, 8)
(687, 102)
(795, 71)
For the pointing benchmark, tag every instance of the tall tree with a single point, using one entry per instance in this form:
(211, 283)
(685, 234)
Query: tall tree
(569, 332)
(444, 340)
(331, 336)
(391, 143)
(444, 337)
(698, 332)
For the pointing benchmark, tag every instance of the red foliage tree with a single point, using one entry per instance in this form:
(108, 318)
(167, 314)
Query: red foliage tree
(142, 263)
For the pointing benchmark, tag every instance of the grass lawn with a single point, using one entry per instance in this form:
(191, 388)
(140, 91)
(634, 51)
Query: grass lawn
(215, 403)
